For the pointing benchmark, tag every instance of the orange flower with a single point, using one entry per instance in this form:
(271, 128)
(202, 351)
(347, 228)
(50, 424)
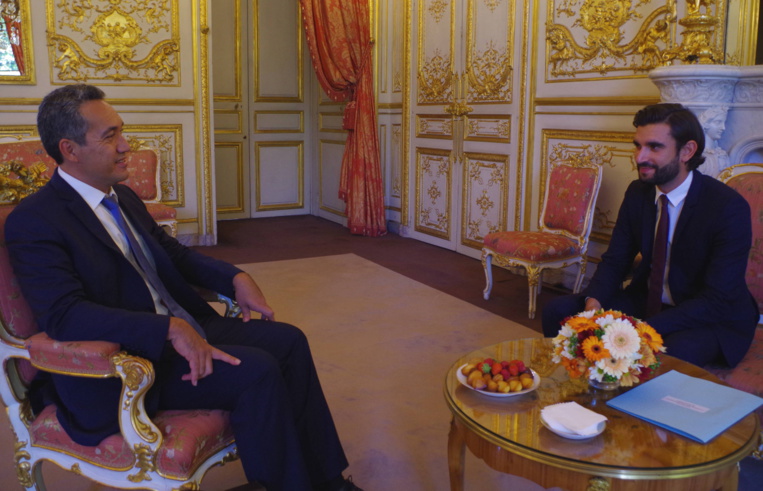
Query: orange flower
(651, 337)
(574, 367)
(581, 324)
(594, 350)
(616, 314)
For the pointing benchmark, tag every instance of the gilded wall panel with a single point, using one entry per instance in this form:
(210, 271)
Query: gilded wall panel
(436, 56)
(433, 196)
(434, 126)
(127, 41)
(601, 39)
(167, 141)
(396, 162)
(488, 128)
(330, 164)
(613, 151)
(489, 61)
(229, 158)
(398, 51)
(278, 56)
(486, 184)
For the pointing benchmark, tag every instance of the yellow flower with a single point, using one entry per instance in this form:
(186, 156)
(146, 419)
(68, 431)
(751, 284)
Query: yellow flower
(594, 350)
(580, 324)
(628, 379)
(650, 336)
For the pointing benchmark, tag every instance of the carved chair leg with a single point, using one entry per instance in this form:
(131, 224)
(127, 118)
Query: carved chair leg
(581, 274)
(533, 277)
(487, 258)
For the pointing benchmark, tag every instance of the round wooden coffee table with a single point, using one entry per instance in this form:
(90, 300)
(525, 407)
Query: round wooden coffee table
(631, 454)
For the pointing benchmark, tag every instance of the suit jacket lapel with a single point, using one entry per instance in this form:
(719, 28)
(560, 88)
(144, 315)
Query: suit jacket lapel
(690, 203)
(649, 214)
(82, 211)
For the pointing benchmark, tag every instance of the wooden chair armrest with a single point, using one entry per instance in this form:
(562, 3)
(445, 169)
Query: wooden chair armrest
(80, 358)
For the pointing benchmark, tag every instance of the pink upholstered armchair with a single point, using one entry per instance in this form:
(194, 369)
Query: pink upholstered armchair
(25, 167)
(562, 237)
(172, 451)
(747, 180)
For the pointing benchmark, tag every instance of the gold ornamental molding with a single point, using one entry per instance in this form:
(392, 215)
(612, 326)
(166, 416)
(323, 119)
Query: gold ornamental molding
(114, 40)
(609, 44)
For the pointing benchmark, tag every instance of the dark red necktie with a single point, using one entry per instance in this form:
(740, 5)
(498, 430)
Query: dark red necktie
(659, 260)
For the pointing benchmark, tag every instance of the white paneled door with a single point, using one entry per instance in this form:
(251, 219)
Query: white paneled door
(262, 102)
(464, 126)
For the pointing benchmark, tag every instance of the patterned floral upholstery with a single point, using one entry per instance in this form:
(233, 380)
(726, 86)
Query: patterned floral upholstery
(142, 164)
(562, 238)
(172, 451)
(747, 180)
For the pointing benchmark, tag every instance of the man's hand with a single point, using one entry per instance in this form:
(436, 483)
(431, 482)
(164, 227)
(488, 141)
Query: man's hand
(592, 304)
(250, 297)
(196, 350)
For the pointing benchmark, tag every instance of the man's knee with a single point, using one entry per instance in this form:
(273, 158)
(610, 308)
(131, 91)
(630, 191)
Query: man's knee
(558, 309)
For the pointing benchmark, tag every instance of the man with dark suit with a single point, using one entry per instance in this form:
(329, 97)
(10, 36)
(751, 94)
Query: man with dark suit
(697, 298)
(92, 269)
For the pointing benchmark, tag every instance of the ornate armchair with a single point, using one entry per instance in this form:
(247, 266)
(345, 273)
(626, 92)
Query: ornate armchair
(562, 237)
(25, 167)
(171, 452)
(747, 180)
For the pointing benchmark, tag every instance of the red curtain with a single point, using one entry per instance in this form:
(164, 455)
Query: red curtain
(339, 37)
(12, 17)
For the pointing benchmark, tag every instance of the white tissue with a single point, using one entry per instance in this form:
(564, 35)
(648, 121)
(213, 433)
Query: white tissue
(571, 417)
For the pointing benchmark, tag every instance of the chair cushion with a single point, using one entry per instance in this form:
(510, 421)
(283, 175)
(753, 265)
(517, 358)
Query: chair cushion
(190, 437)
(161, 212)
(532, 246)
(142, 166)
(28, 153)
(750, 186)
(748, 374)
(571, 190)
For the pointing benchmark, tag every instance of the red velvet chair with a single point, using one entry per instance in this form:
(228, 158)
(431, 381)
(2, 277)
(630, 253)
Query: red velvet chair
(562, 236)
(172, 451)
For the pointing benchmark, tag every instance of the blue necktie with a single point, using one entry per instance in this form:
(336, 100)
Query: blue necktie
(110, 202)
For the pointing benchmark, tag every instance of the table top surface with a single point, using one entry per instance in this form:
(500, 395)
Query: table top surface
(629, 447)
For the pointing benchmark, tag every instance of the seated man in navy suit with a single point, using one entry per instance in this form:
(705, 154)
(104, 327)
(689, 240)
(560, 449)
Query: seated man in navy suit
(692, 289)
(93, 265)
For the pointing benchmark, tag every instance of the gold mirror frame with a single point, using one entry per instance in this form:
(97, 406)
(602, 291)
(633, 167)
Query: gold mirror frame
(26, 37)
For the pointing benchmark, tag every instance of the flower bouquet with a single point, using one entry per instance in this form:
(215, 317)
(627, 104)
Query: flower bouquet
(608, 346)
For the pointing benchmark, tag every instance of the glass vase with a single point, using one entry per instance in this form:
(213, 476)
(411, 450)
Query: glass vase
(603, 385)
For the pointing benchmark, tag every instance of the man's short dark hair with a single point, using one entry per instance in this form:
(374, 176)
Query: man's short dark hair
(58, 116)
(684, 127)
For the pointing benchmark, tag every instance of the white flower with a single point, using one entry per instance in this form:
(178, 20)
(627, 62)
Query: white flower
(587, 314)
(621, 339)
(614, 366)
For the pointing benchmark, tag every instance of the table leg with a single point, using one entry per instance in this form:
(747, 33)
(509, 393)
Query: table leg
(456, 455)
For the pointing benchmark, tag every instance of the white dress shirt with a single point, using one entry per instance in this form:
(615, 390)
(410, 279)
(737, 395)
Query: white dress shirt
(676, 200)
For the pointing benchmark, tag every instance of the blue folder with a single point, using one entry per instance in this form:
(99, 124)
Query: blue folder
(692, 407)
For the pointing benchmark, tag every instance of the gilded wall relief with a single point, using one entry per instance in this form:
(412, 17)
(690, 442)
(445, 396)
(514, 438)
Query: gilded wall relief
(167, 142)
(433, 183)
(613, 151)
(490, 31)
(487, 193)
(396, 187)
(133, 41)
(608, 38)
(434, 126)
(435, 47)
(488, 128)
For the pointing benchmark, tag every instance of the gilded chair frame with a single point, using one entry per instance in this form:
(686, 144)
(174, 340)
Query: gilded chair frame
(534, 269)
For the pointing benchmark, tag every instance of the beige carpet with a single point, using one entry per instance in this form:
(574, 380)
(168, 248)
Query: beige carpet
(382, 344)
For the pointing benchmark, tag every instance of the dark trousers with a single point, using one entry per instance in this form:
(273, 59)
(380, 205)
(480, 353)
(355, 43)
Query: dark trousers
(284, 431)
(698, 345)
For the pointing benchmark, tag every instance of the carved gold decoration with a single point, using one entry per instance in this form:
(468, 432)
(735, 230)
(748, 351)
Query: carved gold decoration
(598, 484)
(485, 196)
(697, 45)
(27, 180)
(437, 9)
(489, 73)
(146, 463)
(435, 79)
(23, 469)
(126, 40)
(137, 375)
(605, 49)
(433, 191)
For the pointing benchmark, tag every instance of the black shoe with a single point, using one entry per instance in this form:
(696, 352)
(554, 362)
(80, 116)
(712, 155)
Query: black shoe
(348, 485)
